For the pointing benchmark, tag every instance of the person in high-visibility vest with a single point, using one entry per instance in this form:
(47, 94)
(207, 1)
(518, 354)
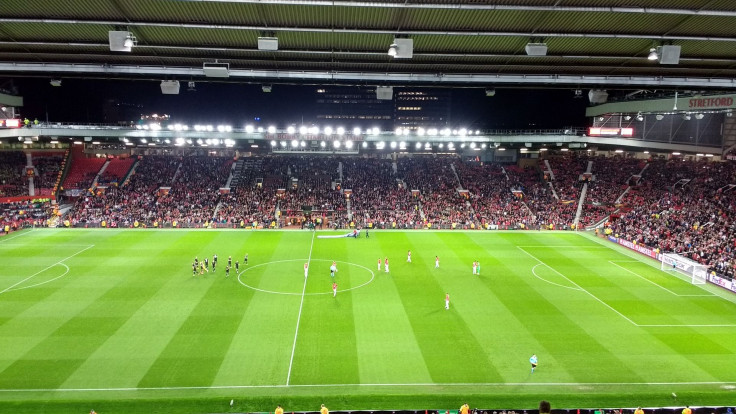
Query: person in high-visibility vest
(26, 122)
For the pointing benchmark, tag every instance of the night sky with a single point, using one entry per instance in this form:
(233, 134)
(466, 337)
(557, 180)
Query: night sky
(81, 100)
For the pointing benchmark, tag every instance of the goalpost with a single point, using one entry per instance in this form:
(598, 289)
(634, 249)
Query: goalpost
(692, 269)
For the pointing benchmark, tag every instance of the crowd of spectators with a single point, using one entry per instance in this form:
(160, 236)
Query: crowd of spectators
(13, 180)
(679, 206)
(693, 218)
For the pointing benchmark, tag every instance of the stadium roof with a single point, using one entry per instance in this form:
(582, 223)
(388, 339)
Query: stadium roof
(468, 42)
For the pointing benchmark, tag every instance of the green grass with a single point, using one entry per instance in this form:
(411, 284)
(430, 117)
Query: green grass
(113, 320)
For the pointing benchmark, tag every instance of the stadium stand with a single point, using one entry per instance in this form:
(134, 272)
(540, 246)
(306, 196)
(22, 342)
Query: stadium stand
(83, 172)
(13, 181)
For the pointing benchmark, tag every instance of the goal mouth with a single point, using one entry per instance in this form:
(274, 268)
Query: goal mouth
(696, 272)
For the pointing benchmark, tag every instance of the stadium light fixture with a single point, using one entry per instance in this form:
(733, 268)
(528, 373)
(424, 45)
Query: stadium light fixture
(421, 131)
(659, 117)
(402, 145)
(290, 130)
(419, 145)
(303, 130)
(283, 143)
(356, 131)
(210, 128)
(294, 143)
(397, 131)
(365, 144)
(686, 117)
(340, 131)
(260, 129)
(348, 144)
(314, 130)
(432, 131)
(401, 48)
(699, 116)
(328, 131)
(249, 129)
(627, 118)
(322, 144)
(271, 129)
(472, 145)
(336, 144)
(302, 144)
(639, 117)
(393, 144)
(463, 131)
(653, 55)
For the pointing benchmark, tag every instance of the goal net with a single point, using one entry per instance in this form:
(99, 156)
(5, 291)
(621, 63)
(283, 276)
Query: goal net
(693, 270)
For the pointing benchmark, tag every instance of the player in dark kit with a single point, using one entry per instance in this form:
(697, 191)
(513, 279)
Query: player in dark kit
(245, 259)
(230, 261)
(206, 263)
(214, 264)
(237, 267)
(227, 271)
(194, 268)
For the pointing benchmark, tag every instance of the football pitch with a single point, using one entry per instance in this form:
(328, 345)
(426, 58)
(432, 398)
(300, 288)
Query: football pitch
(114, 320)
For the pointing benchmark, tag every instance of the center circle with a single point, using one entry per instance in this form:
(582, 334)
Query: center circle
(319, 269)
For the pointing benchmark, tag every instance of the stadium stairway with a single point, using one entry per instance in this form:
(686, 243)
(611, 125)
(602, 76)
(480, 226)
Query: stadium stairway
(457, 177)
(581, 200)
(100, 172)
(237, 173)
(31, 183)
(548, 170)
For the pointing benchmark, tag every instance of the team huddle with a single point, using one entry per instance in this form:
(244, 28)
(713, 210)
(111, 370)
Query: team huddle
(203, 266)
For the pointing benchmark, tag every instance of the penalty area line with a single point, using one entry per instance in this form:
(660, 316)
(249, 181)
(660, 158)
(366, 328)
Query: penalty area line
(278, 386)
(47, 268)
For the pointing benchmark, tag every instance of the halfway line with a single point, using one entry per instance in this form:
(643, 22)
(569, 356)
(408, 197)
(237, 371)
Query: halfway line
(299, 318)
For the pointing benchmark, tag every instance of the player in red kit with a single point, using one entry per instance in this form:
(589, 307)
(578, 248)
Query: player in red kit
(306, 269)
(447, 301)
(385, 264)
(436, 262)
(379, 264)
(408, 256)
(334, 289)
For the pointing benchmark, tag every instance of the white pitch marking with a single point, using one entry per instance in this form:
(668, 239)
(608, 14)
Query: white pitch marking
(299, 318)
(550, 282)
(43, 283)
(277, 386)
(17, 235)
(49, 267)
(373, 276)
(652, 282)
(591, 295)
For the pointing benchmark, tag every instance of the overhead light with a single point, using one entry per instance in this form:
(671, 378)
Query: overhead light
(686, 117)
(266, 88)
(659, 117)
(675, 153)
(729, 114)
(384, 93)
(129, 41)
(170, 87)
(55, 82)
(669, 54)
(121, 40)
(490, 92)
(639, 117)
(216, 69)
(401, 48)
(699, 116)
(619, 151)
(627, 118)
(536, 49)
(653, 55)
(268, 43)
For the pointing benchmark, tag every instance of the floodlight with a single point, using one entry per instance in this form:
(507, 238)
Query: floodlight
(216, 70)
(653, 54)
(393, 144)
(271, 129)
(401, 48)
(290, 130)
(356, 131)
(420, 131)
(536, 49)
(699, 116)
(121, 40)
(303, 130)
(336, 144)
(659, 117)
(249, 129)
(686, 117)
(349, 144)
(269, 43)
(340, 131)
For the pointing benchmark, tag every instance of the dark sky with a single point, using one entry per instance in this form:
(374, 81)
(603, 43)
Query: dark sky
(80, 100)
